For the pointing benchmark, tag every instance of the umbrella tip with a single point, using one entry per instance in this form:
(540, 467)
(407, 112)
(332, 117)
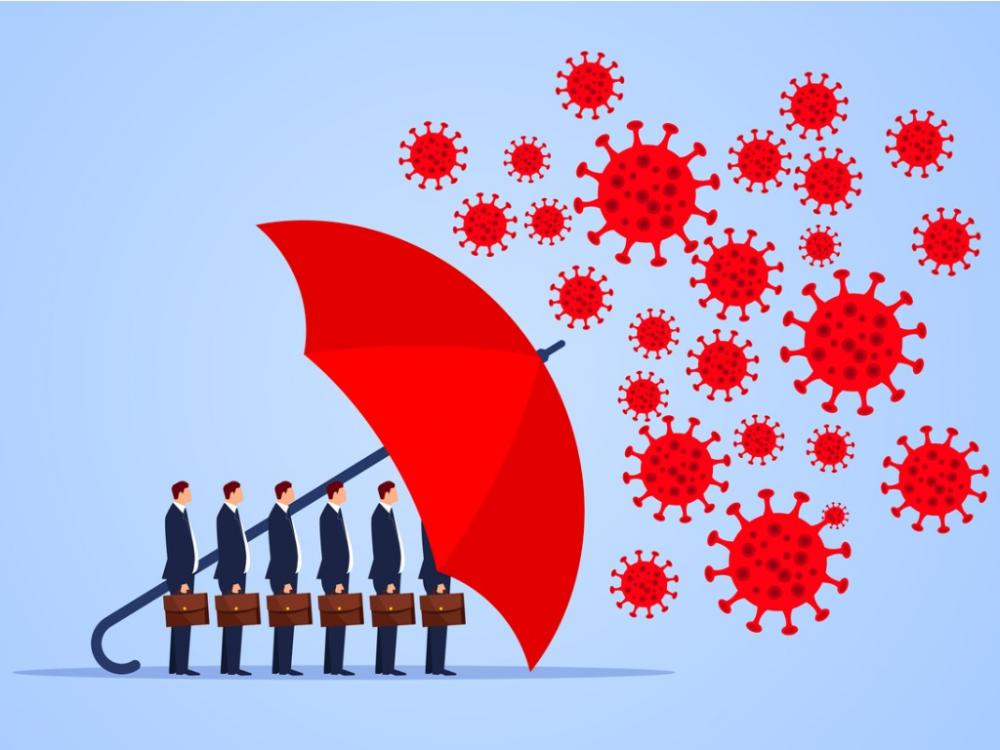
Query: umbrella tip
(550, 350)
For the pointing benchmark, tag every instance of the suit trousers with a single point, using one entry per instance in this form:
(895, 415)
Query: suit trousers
(180, 640)
(281, 655)
(333, 657)
(385, 643)
(437, 639)
(232, 638)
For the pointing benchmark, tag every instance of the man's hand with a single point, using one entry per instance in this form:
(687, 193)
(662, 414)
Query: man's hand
(390, 589)
(339, 589)
(236, 588)
(185, 588)
(288, 588)
(442, 589)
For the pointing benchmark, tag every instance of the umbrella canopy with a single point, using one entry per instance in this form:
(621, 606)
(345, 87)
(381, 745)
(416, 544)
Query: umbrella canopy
(464, 405)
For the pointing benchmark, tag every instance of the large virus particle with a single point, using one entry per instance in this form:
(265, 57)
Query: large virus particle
(737, 274)
(676, 469)
(946, 240)
(722, 365)
(654, 334)
(919, 144)
(759, 439)
(433, 156)
(644, 584)
(830, 448)
(935, 479)
(589, 84)
(484, 224)
(836, 515)
(527, 160)
(547, 222)
(813, 105)
(580, 297)
(759, 161)
(646, 193)
(853, 342)
(777, 562)
(643, 395)
(819, 245)
(827, 180)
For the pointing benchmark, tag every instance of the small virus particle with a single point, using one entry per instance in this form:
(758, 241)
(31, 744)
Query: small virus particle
(676, 469)
(589, 85)
(777, 562)
(433, 156)
(581, 297)
(828, 181)
(853, 342)
(527, 160)
(722, 365)
(654, 334)
(813, 105)
(484, 224)
(935, 479)
(644, 584)
(737, 274)
(919, 143)
(759, 440)
(819, 246)
(830, 449)
(646, 193)
(643, 395)
(946, 241)
(548, 222)
(759, 161)
(836, 515)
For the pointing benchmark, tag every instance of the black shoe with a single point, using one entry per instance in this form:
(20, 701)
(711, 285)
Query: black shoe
(242, 673)
(397, 673)
(294, 673)
(190, 673)
(345, 673)
(446, 673)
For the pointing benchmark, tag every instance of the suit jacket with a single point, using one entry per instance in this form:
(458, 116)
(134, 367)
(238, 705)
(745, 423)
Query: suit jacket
(386, 555)
(232, 550)
(333, 546)
(429, 573)
(180, 549)
(284, 551)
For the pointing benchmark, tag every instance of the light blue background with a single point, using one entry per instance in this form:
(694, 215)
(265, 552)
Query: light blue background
(151, 332)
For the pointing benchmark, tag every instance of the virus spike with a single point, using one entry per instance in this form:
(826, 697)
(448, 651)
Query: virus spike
(548, 222)
(433, 156)
(581, 297)
(737, 274)
(722, 365)
(827, 181)
(643, 395)
(527, 160)
(589, 85)
(484, 224)
(759, 161)
(946, 241)
(819, 246)
(813, 106)
(655, 334)
(759, 440)
(919, 143)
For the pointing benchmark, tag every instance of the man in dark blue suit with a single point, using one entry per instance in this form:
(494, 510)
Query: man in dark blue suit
(231, 572)
(335, 569)
(182, 564)
(435, 582)
(283, 571)
(388, 560)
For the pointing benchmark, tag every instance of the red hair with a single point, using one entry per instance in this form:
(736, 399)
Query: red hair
(178, 487)
(281, 488)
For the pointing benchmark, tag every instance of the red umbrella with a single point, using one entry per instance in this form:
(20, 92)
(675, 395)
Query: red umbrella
(464, 405)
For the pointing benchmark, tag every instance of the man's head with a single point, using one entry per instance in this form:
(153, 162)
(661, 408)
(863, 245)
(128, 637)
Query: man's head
(284, 492)
(233, 493)
(181, 492)
(387, 493)
(336, 493)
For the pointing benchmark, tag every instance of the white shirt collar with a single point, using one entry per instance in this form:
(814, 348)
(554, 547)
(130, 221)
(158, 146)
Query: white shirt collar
(179, 506)
(388, 508)
(230, 506)
(336, 508)
(283, 507)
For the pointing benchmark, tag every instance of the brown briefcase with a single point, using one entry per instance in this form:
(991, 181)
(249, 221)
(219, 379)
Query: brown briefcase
(284, 610)
(184, 610)
(437, 610)
(392, 609)
(340, 610)
(232, 610)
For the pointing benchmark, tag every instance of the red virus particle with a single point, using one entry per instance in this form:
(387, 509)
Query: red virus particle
(433, 156)
(548, 222)
(946, 241)
(527, 160)
(644, 584)
(589, 84)
(722, 365)
(643, 395)
(830, 449)
(828, 180)
(737, 274)
(935, 479)
(853, 342)
(484, 224)
(759, 440)
(654, 334)
(819, 246)
(813, 105)
(919, 143)
(836, 515)
(676, 469)
(646, 193)
(777, 562)
(581, 297)
(759, 161)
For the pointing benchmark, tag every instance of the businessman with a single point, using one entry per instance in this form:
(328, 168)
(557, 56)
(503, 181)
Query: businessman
(283, 571)
(231, 572)
(388, 560)
(335, 569)
(435, 582)
(182, 564)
